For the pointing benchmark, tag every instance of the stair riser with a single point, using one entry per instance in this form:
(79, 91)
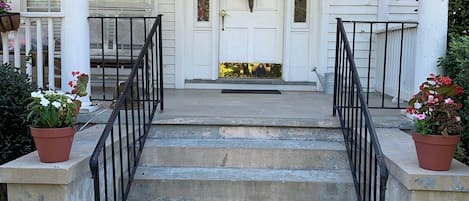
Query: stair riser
(188, 190)
(243, 132)
(243, 158)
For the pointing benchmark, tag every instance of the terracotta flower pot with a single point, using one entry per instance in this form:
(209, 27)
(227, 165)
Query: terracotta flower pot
(435, 152)
(9, 22)
(53, 144)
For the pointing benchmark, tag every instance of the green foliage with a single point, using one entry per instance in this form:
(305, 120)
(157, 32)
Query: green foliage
(456, 66)
(458, 18)
(15, 89)
(436, 106)
(52, 109)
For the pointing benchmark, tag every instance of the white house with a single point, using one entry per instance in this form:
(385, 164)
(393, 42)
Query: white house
(264, 152)
(293, 39)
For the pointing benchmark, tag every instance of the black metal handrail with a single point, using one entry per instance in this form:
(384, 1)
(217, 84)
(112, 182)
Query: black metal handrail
(116, 156)
(115, 42)
(390, 57)
(364, 152)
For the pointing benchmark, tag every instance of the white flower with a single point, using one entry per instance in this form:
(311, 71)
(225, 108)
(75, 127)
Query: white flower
(70, 96)
(56, 104)
(69, 100)
(417, 105)
(44, 102)
(49, 92)
(37, 94)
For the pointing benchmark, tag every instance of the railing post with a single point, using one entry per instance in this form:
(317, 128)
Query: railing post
(6, 52)
(51, 50)
(39, 55)
(160, 47)
(334, 112)
(17, 49)
(29, 68)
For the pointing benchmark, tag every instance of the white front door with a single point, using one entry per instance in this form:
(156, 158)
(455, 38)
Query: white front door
(251, 37)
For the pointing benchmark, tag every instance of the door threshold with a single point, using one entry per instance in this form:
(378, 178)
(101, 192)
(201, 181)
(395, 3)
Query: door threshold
(248, 81)
(252, 84)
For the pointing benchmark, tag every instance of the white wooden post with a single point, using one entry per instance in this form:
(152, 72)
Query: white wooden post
(75, 44)
(432, 34)
(51, 50)
(39, 54)
(6, 52)
(29, 68)
(17, 49)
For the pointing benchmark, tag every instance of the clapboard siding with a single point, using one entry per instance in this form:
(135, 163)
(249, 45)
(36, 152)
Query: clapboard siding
(168, 9)
(352, 10)
(360, 10)
(405, 10)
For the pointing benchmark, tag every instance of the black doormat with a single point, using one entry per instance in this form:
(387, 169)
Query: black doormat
(248, 91)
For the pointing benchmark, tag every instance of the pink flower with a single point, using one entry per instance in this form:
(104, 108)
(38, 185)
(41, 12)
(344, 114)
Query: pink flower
(431, 99)
(449, 101)
(421, 116)
(75, 73)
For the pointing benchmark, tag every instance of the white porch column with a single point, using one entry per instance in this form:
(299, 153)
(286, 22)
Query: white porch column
(431, 38)
(75, 43)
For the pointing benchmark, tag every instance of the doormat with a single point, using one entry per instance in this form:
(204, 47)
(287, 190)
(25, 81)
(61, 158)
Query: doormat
(248, 91)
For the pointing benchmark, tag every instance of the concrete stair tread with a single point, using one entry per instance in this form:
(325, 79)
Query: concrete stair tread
(232, 174)
(323, 122)
(248, 144)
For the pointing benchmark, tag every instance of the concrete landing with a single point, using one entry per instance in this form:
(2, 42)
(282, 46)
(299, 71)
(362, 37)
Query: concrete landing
(298, 108)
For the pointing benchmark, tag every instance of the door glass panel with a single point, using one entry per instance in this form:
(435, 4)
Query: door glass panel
(250, 70)
(300, 11)
(203, 10)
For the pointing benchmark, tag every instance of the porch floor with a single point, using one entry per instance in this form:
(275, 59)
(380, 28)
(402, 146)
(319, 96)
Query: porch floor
(213, 105)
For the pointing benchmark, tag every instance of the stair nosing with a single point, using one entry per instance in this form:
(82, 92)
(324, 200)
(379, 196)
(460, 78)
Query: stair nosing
(265, 144)
(242, 175)
(331, 123)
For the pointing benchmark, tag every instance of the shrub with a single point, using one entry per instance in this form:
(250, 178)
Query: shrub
(458, 22)
(456, 66)
(15, 90)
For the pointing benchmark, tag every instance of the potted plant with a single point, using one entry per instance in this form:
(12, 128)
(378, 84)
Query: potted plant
(437, 122)
(52, 115)
(8, 21)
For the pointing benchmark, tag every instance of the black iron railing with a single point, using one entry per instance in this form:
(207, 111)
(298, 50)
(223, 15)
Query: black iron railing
(117, 154)
(366, 159)
(385, 56)
(115, 43)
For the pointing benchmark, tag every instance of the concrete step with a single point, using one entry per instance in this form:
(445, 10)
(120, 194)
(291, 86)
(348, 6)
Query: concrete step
(198, 131)
(224, 184)
(243, 153)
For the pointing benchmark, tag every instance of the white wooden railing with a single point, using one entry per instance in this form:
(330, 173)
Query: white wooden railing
(27, 20)
(393, 61)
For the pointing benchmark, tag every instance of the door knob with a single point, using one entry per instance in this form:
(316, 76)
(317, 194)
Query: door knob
(223, 13)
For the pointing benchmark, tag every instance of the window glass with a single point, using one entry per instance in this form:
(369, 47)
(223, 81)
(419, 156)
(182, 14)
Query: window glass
(203, 10)
(300, 11)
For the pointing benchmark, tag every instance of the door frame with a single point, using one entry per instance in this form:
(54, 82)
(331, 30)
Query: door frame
(183, 9)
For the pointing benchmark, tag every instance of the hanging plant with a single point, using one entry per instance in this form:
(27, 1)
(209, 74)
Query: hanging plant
(251, 5)
(8, 21)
